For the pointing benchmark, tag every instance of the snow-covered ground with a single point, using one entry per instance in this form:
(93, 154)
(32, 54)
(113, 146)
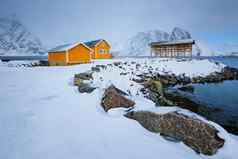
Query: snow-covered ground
(42, 115)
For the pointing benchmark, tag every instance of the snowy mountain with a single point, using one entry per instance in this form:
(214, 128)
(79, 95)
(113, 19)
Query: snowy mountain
(15, 39)
(179, 34)
(138, 45)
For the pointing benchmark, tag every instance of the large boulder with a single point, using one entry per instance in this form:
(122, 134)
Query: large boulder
(114, 97)
(197, 134)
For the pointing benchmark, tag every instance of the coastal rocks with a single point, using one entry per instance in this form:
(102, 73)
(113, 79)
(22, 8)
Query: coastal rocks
(85, 88)
(230, 73)
(117, 63)
(154, 91)
(79, 81)
(227, 73)
(84, 76)
(95, 69)
(187, 88)
(114, 97)
(196, 134)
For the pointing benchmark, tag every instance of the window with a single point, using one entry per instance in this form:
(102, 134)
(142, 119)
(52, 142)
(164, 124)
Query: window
(101, 51)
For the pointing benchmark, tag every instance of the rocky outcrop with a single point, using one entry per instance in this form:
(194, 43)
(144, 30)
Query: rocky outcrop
(196, 134)
(114, 97)
(227, 73)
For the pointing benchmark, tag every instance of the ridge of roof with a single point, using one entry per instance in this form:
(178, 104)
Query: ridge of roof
(92, 42)
(183, 41)
(66, 47)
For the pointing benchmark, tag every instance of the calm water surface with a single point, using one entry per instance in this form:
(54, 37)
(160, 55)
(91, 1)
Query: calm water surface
(222, 95)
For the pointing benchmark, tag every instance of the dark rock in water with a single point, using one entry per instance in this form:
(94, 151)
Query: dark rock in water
(196, 134)
(114, 97)
(84, 76)
(95, 69)
(187, 88)
(85, 88)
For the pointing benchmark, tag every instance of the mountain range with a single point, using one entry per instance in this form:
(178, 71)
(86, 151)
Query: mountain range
(138, 45)
(15, 39)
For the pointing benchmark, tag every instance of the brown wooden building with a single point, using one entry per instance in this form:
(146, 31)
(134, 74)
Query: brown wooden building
(178, 48)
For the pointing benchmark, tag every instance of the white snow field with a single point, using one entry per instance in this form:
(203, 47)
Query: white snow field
(43, 116)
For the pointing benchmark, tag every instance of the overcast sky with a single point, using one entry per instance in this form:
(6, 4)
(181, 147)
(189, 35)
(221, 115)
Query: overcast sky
(63, 21)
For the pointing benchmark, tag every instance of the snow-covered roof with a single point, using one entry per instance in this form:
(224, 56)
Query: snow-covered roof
(92, 43)
(66, 47)
(174, 42)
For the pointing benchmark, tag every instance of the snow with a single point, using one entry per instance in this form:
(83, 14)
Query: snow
(43, 116)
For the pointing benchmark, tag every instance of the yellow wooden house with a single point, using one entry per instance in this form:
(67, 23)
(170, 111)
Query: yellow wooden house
(101, 49)
(81, 52)
(69, 54)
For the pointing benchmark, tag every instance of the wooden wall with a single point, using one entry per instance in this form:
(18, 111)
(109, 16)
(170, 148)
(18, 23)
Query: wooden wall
(177, 50)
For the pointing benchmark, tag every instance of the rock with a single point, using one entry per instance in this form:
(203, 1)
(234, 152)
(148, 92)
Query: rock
(44, 63)
(196, 134)
(123, 73)
(155, 92)
(138, 80)
(133, 62)
(187, 88)
(114, 97)
(138, 66)
(155, 86)
(230, 73)
(85, 88)
(84, 76)
(77, 81)
(95, 69)
(117, 63)
(101, 66)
